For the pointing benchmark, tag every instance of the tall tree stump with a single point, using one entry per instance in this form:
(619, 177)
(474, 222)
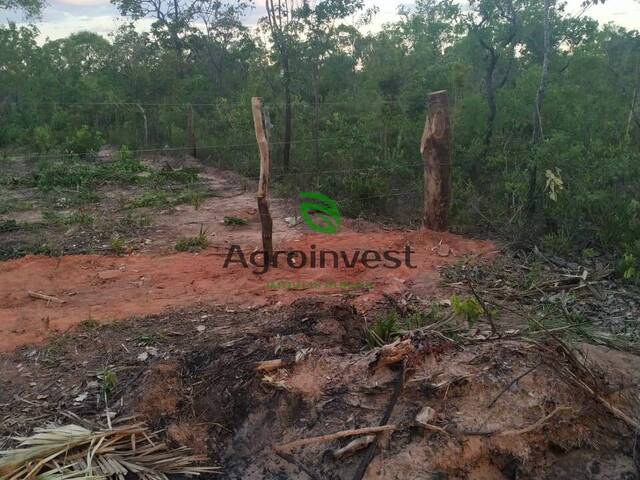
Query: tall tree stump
(263, 184)
(191, 135)
(436, 154)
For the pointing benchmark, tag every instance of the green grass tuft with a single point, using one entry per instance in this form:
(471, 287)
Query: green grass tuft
(193, 244)
(383, 330)
(235, 221)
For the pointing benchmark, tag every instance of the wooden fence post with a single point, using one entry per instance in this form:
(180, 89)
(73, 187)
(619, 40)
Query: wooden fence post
(146, 124)
(191, 136)
(263, 183)
(436, 154)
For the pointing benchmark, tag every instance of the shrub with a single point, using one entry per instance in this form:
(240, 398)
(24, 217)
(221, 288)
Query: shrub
(193, 244)
(84, 141)
(42, 140)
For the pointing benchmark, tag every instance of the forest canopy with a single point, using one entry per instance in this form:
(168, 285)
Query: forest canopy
(544, 105)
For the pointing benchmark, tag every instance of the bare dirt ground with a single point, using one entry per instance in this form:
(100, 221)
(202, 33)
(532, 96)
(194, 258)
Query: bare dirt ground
(154, 278)
(175, 339)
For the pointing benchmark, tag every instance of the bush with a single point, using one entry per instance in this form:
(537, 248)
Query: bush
(84, 141)
(42, 139)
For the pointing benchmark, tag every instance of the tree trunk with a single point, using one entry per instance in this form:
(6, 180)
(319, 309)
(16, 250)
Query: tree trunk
(634, 102)
(316, 117)
(191, 136)
(263, 184)
(288, 121)
(145, 124)
(436, 154)
(491, 103)
(538, 132)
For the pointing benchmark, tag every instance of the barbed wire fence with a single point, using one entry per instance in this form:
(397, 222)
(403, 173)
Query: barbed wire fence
(345, 149)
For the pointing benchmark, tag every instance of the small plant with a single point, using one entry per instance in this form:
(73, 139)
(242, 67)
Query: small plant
(53, 217)
(285, 190)
(117, 245)
(8, 225)
(196, 199)
(108, 381)
(421, 318)
(146, 340)
(41, 139)
(193, 244)
(150, 199)
(49, 249)
(80, 218)
(12, 205)
(234, 221)
(76, 218)
(556, 243)
(416, 320)
(554, 184)
(79, 198)
(89, 325)
(469, 309)
(126, 163)
(383, 331)
(51, 355)
(134, 220)
(184, 175)
(628, 268)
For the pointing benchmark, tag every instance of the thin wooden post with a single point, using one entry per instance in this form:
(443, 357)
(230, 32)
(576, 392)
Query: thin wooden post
(191, 136)
(263, 183)
(436, 154)
(146, 124)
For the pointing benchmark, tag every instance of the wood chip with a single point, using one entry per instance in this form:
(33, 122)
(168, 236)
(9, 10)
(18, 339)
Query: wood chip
(270, 365)
(353, 447)
(48, 298)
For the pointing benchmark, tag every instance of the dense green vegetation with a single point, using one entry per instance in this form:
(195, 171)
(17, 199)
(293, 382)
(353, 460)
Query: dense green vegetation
(348, 108)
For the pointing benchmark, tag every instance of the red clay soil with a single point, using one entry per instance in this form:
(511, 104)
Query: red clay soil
(109, 288)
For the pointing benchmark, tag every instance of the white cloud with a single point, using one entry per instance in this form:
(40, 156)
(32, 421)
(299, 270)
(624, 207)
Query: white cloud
(68, 24)
(64, 17)
(81, 3)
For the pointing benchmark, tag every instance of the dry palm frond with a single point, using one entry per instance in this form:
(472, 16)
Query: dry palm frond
(72, 452)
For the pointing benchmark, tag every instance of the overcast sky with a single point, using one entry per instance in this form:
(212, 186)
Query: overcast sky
(62, 17)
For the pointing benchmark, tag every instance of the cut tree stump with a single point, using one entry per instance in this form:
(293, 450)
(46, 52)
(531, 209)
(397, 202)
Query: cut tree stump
(436, 154)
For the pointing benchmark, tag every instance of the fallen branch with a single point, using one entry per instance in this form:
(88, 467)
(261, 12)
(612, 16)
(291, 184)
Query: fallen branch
(615, 411)
(540, 423)
(521, 431)
(435, 428)
(513, 382)
(371, 449)
(48, 298)
(332, 436)
(636, 451)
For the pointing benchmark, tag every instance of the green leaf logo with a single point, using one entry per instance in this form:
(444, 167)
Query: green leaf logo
(323, 209)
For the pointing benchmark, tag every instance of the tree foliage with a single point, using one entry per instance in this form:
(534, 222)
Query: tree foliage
(342, 100)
